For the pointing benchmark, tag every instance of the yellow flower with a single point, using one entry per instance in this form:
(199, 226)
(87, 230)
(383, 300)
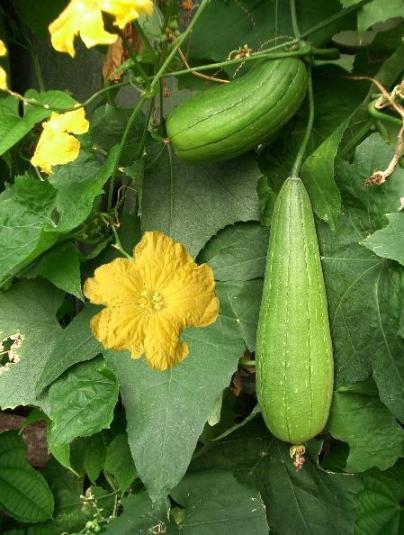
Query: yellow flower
(3, 74)
(151, 299)
(84, 18)
(55, 145)
(125, 11)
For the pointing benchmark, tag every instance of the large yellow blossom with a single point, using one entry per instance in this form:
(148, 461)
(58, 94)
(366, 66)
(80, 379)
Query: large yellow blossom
(84, 18)
(56, 146)
(3, 74)
(151, 299)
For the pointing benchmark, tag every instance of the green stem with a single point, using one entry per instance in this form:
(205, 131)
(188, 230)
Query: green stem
(146, 128)
(379, 115)
(247, 362)
(177, 44)
(334, 18)
(145, 39)
(37, 70)
(118, 246)
(293, 16)
(254, 57)
(303, 146)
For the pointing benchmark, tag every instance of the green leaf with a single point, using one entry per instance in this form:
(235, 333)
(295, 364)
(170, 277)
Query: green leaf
(166, 411)
(139, 516)
(24, 493)
(76, 343)
(318, 176)
(240, 303)
(256, 24)
(27, 310)
(119, 463)
(308, 502)
(380, 510)
(108, 124)
(389, 241)
(364, 292)
(237, 252)
(376, 11)
(215, 503)
(212, 503)
(13, 127)
(72, 509)
(61, 267)
(359, 418)
(94, 456)
(82, 402)
(34, 213)
(187, 202)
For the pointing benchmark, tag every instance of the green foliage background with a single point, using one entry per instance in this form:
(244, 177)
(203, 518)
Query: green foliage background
(135, 450)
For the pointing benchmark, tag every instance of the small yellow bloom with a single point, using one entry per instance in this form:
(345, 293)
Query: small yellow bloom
(56, 146)
(84, 18)
(151, 299)
(3, 74)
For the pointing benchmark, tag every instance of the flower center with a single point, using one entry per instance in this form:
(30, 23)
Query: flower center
(151, 301)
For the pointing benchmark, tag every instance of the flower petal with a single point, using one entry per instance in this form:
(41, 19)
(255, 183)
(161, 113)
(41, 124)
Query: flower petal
(163, 348)
(114, 284)
(72, 121)
(158, 258)
(120, 328)
(126, 10)
(191, 294)
(54, 149)
(3, 49)
(3, 79)
(79, 17)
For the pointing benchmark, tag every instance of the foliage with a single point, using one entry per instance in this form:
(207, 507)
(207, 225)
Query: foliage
(184, 449)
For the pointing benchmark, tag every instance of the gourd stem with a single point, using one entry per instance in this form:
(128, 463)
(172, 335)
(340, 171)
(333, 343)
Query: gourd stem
(310, 120)
(177, 45)
(293, 16)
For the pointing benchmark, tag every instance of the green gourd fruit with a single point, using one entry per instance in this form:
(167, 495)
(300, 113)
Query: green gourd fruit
(233, 118)
(294, 361)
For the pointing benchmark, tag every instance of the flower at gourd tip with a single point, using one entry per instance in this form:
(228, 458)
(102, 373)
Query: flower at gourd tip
(84, 18)
(55, 145)
(3, 74)
(149, 300)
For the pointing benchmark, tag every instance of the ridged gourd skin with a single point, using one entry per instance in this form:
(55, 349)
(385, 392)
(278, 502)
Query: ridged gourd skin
(231, 119)
(294, 361)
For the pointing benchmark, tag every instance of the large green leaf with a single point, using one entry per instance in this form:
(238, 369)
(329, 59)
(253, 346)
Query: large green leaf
(192, 203)
(376, 11)
(388, 242)
(240, 301)
(364, 292)
(257, 23)
(212, 503)
(359, 418)
(27, 310)
(238, 252)
(309, 502)
(380, 504)
(76, 343)
(24, 493)
(166, 411)
(82, 402)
